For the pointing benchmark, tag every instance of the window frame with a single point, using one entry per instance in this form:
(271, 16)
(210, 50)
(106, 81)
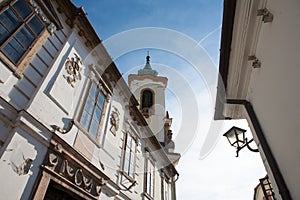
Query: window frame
(21, 63)
(149, 159)
(126, 173)
(81, 109)
(166, 188)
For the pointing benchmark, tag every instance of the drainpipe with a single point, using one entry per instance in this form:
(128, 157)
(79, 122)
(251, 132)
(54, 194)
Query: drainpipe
(282, 187)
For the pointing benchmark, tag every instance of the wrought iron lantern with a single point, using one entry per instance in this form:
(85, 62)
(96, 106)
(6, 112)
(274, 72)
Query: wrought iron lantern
(237, 139)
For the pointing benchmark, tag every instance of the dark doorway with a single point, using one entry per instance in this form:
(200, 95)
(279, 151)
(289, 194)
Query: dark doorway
(57, 192)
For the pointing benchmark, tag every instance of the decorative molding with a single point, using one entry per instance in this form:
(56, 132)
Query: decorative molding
(94, 75)
(108, 98)
(156, 79)
(68, 169)
(77, 18)
(22, 168)
(114, 120)
(73, 69)
(244, 42)
(76, 175)
(50, 26)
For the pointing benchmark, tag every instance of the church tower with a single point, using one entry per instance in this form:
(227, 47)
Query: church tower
(149, 90)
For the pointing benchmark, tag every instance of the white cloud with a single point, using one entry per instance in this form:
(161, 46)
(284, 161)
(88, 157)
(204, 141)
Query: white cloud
(220, 176)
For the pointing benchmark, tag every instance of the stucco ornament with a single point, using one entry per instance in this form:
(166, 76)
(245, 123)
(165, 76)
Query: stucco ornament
(73, 69)
(50, 26)
(23, 167)
(20, 158)
(114, 120)
(71, 171)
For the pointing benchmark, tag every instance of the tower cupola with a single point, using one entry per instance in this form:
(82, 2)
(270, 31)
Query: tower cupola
(147, 70)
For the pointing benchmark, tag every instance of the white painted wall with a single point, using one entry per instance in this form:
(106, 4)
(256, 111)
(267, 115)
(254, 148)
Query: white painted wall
(21, 146)
(274, 88)
(56, 98)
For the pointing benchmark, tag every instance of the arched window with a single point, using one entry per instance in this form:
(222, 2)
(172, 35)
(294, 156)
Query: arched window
(147, 102)
(147, 99)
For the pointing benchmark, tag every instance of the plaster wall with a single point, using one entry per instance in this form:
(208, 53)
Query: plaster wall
(274, 88)
(22, 146)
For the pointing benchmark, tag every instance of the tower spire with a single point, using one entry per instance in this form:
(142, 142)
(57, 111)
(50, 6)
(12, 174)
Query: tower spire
(148, 59)
(147, 70)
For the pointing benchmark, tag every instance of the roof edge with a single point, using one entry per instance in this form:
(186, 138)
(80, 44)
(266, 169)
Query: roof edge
(229, 7)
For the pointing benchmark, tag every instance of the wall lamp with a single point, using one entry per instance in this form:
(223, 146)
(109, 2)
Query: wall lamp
(237, 139)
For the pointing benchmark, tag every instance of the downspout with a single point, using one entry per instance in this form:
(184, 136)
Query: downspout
(282, 187)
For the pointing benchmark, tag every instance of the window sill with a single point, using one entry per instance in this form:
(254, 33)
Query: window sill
(92, 138)
(127, 176)
(148, 196)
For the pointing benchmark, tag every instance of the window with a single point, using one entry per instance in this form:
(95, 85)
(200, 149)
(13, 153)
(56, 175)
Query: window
(147, 99)
(93, 110)
(166, 189)
(129, 149)
(19, 28)
(267, 188)
(147, 102)
(149, 178)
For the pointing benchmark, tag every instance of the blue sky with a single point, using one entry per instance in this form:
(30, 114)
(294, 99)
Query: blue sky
(190, 97)
(195, 18)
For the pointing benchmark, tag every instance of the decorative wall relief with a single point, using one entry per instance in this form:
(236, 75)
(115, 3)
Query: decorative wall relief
(70, 170)
(50, 26)
(73, 69)
(61, 89)
(23, 167)
(20, 158)
(114, 120)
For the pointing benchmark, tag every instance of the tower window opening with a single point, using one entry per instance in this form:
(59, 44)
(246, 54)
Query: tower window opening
(147, 102)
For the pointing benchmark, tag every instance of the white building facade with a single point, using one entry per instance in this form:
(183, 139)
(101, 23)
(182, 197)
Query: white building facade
(259, 69)
(70, 126)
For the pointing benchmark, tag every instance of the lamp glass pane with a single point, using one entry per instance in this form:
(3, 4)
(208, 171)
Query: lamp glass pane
(240, 135)
(236, 136)
(231, 137)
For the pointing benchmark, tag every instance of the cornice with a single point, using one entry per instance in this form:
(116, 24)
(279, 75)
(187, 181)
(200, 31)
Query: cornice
(240, 32)
(163, 80)
(245, 31)
(77, 17)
